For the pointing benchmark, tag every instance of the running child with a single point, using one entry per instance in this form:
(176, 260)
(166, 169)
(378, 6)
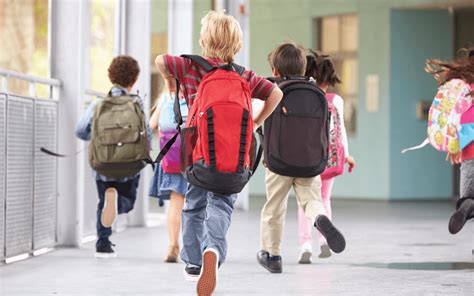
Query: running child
(206, 214)
(302, 117)
(167, 182)
(116, 138)
(321, 68)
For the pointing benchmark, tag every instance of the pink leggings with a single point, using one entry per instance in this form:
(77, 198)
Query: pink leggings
(304, 225)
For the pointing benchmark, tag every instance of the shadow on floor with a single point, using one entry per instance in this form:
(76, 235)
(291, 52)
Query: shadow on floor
(421, 265)
(427, 245)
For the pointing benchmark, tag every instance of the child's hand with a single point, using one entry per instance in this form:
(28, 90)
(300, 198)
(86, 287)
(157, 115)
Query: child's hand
(255, 126)
(454, 158)
(351, 162)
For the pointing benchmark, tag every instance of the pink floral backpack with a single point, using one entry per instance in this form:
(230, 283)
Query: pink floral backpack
(444, 118)
(336, 155)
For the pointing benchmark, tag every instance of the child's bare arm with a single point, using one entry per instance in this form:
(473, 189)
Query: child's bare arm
(154, 118)
(170, 80)
(270, 104)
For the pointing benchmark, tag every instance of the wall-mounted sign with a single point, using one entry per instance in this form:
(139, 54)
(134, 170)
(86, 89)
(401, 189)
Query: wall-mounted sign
(372, 93)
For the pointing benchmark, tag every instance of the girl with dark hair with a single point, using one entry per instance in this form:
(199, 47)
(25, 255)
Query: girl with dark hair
(322, 70)
(462, 70)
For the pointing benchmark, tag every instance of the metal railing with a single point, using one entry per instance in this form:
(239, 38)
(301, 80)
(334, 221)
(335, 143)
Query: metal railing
(28, 177)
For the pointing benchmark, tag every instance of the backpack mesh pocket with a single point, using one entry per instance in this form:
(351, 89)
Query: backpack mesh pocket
(188, 142)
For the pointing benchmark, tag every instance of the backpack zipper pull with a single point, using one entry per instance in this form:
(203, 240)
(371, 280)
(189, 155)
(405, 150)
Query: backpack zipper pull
(284, 110)
(201, 114)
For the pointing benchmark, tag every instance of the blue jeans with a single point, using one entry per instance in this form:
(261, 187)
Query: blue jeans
(127, 194)
(206, 219)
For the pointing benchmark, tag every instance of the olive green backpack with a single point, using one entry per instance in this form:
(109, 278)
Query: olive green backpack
(119, 144)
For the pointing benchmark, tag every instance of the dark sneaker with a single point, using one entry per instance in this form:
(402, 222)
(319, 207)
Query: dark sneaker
(269, 262)
(192, 272)
(103, 249)
(459, 218)
(207, 282)
(334, 238)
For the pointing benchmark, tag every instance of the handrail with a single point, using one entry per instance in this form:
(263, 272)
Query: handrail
(30, 78)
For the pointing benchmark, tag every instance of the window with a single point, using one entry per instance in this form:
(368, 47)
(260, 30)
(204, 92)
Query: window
(24, 40)
(101, 50)
(338, 37)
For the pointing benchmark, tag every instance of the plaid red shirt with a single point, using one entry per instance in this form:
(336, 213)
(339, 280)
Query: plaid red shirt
(190, 74)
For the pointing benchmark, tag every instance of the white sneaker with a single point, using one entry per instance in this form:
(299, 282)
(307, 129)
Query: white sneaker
(305, 253)
(109, 212)
(325, 251)
(207, 282)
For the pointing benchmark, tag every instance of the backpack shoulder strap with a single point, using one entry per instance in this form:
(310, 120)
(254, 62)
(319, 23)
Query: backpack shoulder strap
(239, 69)
(330, 97)
(276, 80)
(208, 67)
(296, 78)
(200, 61)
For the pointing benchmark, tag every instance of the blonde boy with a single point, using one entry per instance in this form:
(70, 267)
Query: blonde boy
(206, 215)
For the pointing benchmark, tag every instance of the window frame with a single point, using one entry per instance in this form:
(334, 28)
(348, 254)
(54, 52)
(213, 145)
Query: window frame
(339, 57)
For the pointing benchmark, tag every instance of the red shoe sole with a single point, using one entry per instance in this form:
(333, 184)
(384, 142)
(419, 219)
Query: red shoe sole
(208, 279)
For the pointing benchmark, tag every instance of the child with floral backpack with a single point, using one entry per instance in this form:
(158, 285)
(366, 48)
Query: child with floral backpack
(321, 68)
(167, 182)
(451, 126)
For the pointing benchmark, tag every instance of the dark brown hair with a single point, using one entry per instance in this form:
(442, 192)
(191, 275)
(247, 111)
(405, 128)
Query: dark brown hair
(321, 68)
(288, 59)
(124, 71)
(461, 68)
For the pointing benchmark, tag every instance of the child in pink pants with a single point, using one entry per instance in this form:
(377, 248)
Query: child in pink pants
(321, 68)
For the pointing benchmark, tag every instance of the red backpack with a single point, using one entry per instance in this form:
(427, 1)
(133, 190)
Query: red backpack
(218, 146)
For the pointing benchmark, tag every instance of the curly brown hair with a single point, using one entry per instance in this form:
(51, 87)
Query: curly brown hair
(321, 68)
(124, 71)
(461, 68)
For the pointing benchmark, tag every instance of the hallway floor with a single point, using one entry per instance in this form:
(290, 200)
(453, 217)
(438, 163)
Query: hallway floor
(392, 249)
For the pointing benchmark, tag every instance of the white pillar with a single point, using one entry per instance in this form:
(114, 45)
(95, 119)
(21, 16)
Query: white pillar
(137, 20)
(68, 46)
(240, 10)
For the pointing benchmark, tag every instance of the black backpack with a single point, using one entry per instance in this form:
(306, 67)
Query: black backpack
(296, 134)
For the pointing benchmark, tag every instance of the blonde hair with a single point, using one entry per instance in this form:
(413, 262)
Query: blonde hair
(221, 36)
